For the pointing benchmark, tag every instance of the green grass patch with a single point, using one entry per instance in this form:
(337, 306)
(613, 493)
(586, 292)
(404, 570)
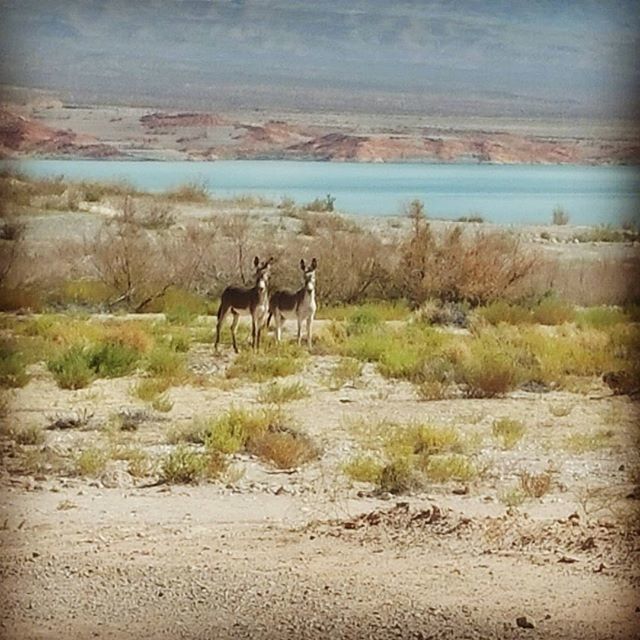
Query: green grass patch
(164, 362)
(601, 317)
(72, 369)
(186, 466)
(282, 360)
(13, 366)
(381, 311)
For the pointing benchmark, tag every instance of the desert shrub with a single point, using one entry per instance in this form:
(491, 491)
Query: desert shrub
(535, 485)
(456, 267)
(583, 442)
(363, 468)
(12, 228)
(321, 205)
(607, 233)
(552, 311)
(383, 310)
(508, 431)
(512, 497)
(232, 431)
(489, 370)
(30, 434)
(347, 370)
(112, 360)
(157, 216)
(559, 216)
(284, 360)
(186, 466)
(71, 368)
(397, 476)
(13, 372)
(601, 317)
(283, 449)
(140, 267)
(191, 192)
(130, 335)
(503, 311)
(439, 313)
(361, 273)
(424, 439)
(195, 431)
(363, 320)
(85, 293)
(450, 466)
(91, 462)
(148, 389)
(279, 393)
(163, 362)
(162, 404)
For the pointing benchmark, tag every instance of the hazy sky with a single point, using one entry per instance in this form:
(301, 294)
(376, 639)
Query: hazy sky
(556, 56)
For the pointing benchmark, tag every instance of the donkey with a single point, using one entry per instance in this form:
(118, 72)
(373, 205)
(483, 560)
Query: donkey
(302, 303)
(243, 301)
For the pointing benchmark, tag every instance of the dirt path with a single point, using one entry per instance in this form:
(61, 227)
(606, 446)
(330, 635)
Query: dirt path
(192, 563)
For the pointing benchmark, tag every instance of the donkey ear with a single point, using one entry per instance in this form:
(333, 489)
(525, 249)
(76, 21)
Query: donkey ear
(256, 261)
(302, 265)
(314, 264)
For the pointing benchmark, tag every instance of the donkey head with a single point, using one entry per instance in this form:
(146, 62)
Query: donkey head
(309, 274)
(263, 271)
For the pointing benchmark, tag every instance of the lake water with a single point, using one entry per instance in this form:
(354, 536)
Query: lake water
(503, 194)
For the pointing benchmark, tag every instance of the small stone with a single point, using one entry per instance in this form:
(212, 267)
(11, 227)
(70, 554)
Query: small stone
(524, 623)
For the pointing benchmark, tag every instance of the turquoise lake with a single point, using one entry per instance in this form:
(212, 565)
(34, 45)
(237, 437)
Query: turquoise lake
(504, 194)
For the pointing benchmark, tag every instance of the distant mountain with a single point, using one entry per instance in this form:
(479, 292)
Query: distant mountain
(542, 58)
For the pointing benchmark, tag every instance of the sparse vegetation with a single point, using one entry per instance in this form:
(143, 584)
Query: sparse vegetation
(535, 485)
(559, 216)
(508, 431)
(281, 392)
(91, 461)
(283, 360)
(186, 466)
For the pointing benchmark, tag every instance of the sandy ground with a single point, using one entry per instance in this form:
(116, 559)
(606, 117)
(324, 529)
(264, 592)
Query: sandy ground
(269, 554)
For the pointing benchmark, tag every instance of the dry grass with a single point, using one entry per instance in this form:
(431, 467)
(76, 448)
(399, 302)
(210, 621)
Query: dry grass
(508, 431)
(282, 392)
(283, 449)
(535, 485)
(186, 466)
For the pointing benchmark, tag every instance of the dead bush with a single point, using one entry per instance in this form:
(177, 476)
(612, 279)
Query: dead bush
(140, 266)
(476, 267)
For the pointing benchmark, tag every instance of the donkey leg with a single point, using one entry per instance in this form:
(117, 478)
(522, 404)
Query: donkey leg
(278, 327)
(309, 322)
(299, 330)
(234, 324)
(222, 312)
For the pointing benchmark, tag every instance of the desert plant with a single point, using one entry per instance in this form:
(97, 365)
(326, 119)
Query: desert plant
(535, 485)
(363, 468)
(279, 393)
(13, 372)
(29, 434)
(509, 432)
(112, 360)
(186, 466)
(259, 367)
(450, 466)
(559, 216)
(164, 362)
(283, 449)
(347, 370)
(72, 369)
(148, 389)
(91, 462)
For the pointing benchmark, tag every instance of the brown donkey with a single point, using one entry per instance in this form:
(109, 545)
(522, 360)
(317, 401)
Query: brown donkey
(243, 301)
(302, 303)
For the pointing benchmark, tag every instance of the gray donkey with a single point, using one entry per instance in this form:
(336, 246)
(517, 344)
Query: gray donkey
(242, 301)
(301, 304)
